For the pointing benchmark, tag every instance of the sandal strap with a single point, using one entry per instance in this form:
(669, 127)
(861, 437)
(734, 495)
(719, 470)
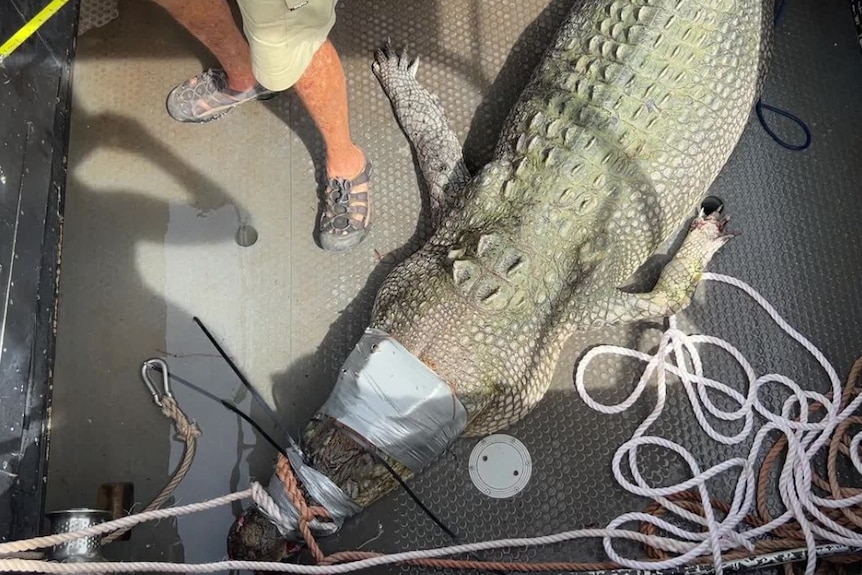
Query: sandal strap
(340, 191)
(343, 204)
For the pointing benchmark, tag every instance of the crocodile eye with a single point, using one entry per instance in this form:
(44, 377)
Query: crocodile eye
(712, 204)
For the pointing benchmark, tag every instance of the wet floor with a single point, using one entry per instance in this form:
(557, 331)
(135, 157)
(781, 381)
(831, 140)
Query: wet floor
(157, 231)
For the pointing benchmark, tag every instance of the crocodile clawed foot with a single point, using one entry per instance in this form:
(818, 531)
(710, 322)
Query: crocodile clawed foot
(413, 67)
(708, 234)
(394, 70)
(680, 277)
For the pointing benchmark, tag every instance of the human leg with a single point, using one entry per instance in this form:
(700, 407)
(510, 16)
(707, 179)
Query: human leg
(289, 48)
(212, 93)
(323, 91)
(212, 23)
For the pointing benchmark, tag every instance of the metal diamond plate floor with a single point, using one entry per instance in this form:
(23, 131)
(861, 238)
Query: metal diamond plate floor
(153, 207)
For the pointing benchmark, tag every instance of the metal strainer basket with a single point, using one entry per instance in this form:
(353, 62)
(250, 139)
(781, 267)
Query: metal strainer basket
(80, 550)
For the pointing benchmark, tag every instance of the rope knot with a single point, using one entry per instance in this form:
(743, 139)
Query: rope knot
(185, 430)
(307, 513)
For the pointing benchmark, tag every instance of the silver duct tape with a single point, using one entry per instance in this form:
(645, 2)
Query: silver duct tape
(395, 402)
(324, 493)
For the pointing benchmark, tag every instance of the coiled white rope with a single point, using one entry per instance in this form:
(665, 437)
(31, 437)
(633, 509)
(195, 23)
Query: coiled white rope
(676, 351)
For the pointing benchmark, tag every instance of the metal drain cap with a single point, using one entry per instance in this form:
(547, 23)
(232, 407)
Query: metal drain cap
(500, 466)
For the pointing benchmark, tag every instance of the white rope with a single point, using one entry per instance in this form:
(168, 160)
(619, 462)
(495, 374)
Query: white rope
(20, 565)
(677, 351)
(677, 355)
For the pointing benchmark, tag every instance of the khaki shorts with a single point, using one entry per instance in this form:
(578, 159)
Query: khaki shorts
(283, 41)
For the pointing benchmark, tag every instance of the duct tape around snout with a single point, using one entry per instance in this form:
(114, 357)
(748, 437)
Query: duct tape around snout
(393, 401)
(390, 398)
(321, 489)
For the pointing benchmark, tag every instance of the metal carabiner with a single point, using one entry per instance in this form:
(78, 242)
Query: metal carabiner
(166, 380)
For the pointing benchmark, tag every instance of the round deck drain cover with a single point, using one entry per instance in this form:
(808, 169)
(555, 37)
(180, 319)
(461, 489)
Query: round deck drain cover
(246, 235)
(500, 466)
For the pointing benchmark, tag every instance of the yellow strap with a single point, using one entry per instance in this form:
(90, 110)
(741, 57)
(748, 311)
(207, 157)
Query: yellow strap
(30, 28)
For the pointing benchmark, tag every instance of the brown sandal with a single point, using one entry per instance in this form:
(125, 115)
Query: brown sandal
(346, 217)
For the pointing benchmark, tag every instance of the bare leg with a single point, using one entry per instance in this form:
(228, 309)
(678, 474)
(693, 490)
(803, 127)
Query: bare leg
(323, 90)
(212, 23)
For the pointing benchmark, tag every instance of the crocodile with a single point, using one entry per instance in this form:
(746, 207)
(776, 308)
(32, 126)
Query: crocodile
(632, 112)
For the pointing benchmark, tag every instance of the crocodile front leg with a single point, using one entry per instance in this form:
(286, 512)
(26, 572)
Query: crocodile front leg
(680, 277)
(424, 122)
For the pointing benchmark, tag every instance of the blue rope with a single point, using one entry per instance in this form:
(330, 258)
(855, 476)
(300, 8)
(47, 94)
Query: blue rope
(760, 106)
(780, 5)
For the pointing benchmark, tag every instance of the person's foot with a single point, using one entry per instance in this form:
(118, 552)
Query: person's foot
(346, 217)
(207, 97)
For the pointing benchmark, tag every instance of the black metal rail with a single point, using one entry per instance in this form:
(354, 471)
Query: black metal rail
(35, 101)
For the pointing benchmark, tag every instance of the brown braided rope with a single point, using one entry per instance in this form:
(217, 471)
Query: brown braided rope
(350, 556)
(306, 514)
(189, 433)
(846, 517)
